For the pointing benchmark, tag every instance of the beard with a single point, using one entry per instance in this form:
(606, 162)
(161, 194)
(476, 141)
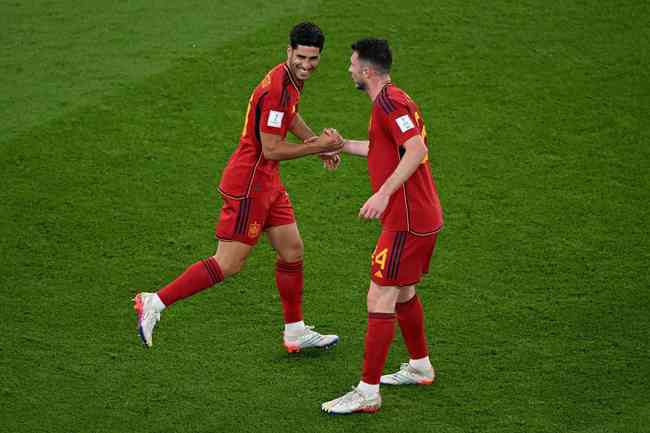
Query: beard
(360, 85)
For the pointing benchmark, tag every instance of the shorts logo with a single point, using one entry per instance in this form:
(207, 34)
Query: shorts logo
(275, 119)
(253, 230)
(378, 274)
(405, 123)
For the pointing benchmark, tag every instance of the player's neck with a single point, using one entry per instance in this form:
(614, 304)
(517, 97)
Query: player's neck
(298, 84)
(375, 86)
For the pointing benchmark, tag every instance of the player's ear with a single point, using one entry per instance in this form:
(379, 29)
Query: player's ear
(289, 51)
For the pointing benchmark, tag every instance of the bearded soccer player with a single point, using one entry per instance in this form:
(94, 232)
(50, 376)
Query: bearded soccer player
(255, 200)
(406, 202)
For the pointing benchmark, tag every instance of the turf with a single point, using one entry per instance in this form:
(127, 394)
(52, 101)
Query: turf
(117, 120)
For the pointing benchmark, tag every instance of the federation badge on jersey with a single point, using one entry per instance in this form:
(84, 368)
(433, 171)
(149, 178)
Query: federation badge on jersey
(253, 230)
(405, 123)
(275, 119)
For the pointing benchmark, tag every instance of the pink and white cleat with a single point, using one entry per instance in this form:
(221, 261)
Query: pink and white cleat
(309, 338)
(407, 375)
(148, 316)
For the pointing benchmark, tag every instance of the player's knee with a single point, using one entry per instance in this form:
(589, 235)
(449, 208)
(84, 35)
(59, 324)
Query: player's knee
(229, 266)
(372, 301)
(406, 294)
(293, 253)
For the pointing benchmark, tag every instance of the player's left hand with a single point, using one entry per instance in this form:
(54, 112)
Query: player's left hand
(375, 206)
(331, 162)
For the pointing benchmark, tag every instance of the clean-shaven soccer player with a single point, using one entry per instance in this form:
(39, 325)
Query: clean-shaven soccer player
(406, 202)
(255, 200)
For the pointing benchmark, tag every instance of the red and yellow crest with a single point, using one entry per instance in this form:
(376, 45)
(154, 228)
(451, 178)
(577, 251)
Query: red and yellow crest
(253, 230)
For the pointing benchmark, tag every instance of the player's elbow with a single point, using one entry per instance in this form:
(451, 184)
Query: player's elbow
(420, 151)
(416, 147)
(270, 153)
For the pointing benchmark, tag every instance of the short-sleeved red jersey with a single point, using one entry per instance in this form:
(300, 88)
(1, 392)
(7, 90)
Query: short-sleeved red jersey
(415, 206)
(271, 109)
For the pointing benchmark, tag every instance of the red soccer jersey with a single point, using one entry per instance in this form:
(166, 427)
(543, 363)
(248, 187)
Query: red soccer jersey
(415, 206)
(271, 109)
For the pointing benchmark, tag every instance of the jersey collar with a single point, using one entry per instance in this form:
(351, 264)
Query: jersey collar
(298, 84)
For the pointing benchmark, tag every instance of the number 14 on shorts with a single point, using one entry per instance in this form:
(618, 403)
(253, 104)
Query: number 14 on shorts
(379, 258)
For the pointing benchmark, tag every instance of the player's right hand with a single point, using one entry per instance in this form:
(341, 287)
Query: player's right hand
(331, 140)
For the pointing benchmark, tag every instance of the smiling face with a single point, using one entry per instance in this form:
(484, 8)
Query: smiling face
(358, 71)
(303, 60)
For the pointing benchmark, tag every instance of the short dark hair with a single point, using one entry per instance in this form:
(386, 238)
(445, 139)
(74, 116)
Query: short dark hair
(307, 34)
(374, 51)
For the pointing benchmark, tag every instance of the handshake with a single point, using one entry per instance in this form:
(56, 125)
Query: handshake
(330, 145)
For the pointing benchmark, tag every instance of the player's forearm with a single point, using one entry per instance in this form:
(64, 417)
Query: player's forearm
(410, 162)
(356, 147)
(300, 129)
(283, 150)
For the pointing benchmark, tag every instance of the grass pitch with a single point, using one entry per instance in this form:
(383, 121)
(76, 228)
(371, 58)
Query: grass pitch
(117, 120)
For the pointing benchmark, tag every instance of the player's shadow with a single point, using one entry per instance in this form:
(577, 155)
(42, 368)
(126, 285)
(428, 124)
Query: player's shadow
(320, 354)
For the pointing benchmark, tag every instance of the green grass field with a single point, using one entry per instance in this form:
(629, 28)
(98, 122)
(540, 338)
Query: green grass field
(116, 119)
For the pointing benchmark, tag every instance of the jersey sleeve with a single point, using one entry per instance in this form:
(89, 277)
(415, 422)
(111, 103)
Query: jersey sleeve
(401, 124)
(276, 113)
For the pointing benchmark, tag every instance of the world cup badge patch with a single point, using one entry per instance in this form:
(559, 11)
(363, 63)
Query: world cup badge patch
(253, 230)
(405, 123)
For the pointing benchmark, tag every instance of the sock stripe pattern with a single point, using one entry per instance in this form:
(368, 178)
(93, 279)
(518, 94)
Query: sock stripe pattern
(410, 316)
(213, 269)
(382, 316)
(381, 330)
(294, 267)
(199, 276)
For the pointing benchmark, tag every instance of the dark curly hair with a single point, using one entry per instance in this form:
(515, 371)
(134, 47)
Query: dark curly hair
(374, 51)
(307, 34)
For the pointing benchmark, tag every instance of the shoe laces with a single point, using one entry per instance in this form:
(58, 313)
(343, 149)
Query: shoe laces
(152, 314)
(353, 395)
(406, 370)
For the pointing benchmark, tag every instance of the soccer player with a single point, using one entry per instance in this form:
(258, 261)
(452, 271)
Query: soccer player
(406, 202)
(255, 200)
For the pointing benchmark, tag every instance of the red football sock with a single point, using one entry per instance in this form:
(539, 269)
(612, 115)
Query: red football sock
(410, 317)
(290, 279)
(381, 330)
(200, 276)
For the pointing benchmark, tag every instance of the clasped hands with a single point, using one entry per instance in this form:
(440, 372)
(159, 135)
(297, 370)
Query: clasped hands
(331, 144)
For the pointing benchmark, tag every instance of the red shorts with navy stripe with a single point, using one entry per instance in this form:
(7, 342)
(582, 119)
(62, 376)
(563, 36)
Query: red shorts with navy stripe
(400, 258)
(244, 220)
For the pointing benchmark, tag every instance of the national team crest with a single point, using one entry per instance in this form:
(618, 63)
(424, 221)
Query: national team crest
(253, 230)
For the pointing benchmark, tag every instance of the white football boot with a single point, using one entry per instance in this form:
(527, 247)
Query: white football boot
(407, 375)
(148, 316)
(353, 401)
(308, 338)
